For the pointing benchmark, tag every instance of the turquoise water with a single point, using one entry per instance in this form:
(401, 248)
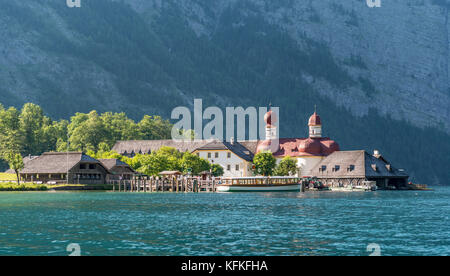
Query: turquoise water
(325, 223)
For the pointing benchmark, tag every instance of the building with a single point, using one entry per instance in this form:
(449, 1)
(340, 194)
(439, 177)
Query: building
(308, 152)
(52, 168)
(118, 170)
(236, 157)
(352, 168)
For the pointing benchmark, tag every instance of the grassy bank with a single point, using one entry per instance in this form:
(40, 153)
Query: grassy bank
(11, 186)
(8, 177)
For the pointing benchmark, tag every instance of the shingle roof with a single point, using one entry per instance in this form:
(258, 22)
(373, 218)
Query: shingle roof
(56, 162)
(26, 159)
(357, 164)
(148, 146)
(145, 147)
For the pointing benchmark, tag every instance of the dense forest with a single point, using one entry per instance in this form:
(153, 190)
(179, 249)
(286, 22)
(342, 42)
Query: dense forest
(29, 132)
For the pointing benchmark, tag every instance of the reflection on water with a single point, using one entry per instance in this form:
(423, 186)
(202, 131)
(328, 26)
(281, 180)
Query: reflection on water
(317, 223)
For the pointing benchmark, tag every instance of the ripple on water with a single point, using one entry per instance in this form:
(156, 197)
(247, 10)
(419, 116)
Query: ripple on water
(402, 223)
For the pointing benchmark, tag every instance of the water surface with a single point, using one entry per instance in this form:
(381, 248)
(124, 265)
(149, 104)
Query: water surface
(325, 223)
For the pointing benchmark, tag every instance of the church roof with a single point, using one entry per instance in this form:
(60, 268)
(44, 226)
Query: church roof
(301, 147)
(148, 146)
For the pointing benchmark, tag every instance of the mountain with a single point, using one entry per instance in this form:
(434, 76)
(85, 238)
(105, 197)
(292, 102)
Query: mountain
(379, 76)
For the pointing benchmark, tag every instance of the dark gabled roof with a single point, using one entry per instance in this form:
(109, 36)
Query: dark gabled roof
(357, 164)
(111, 163)
(57, 162)
(149, 146)
(250, 145)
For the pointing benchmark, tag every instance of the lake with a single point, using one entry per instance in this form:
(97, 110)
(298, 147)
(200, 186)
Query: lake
(312, 223)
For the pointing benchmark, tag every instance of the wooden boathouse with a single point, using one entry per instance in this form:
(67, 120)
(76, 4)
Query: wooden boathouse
(52, 168)
(352, 168)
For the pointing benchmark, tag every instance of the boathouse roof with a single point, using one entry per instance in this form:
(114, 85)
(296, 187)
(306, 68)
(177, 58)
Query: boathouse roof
(57, 162)
(355, 164)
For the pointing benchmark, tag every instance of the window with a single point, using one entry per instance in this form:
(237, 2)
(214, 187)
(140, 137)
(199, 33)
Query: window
(82, 166)
(209, 155)
(216, 155)
(323, 168)
(228, 167)
(336, 168)
(92, 166)
(237, 167)
(351, 168)
(229, 155)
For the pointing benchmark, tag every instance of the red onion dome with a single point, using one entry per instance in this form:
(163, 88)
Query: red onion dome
(314, 120)
(270, 118)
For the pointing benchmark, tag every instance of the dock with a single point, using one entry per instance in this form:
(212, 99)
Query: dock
(162, 184)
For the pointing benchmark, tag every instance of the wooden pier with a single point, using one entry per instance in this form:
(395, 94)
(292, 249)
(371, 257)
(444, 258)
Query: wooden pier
(164, 184)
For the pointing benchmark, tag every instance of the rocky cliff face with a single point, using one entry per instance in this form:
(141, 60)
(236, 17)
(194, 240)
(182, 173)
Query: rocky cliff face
(398, 55)
(148, 56)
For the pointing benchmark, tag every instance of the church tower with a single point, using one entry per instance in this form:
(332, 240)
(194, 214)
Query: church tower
(315, 126)
(271, 129)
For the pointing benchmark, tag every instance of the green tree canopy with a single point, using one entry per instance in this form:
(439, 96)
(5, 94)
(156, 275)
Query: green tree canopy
(217, 170)
(264, 163)
(16, 164)
(287, 167)
(194, 163)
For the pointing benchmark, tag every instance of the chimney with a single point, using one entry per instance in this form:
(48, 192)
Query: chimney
(376, 153)
(232, 140)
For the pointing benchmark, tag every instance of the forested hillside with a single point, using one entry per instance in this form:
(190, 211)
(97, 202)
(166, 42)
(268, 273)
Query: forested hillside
(379, 78)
